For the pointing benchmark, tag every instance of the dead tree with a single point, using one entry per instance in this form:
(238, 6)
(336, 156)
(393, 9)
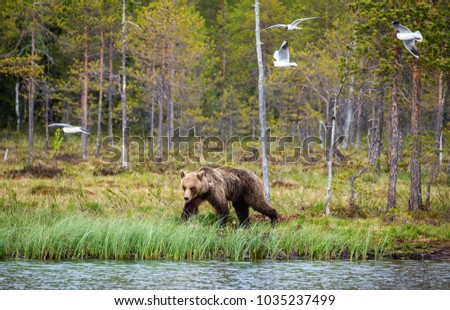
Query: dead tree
(262, 105)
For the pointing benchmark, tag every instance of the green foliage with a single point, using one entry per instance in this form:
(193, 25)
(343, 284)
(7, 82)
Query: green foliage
(19, 67)
(57, 142)
(208, 56)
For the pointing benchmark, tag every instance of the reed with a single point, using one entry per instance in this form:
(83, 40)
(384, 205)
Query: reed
(45, 234)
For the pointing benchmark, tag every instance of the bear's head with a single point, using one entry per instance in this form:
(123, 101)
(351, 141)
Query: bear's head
(193, 184)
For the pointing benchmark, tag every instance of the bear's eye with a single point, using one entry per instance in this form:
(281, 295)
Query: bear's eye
(184, 188)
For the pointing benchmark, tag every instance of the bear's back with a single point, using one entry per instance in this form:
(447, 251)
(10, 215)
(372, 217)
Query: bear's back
(238, 181)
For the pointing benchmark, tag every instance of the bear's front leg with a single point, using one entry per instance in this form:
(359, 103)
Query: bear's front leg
(220, 204)
(222, 213)
(191, 208)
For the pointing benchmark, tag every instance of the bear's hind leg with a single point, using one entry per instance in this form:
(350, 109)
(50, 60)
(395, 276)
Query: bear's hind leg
(264, 208)
(242, 212)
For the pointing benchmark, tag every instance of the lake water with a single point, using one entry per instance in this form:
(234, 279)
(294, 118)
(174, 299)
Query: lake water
(266, 274)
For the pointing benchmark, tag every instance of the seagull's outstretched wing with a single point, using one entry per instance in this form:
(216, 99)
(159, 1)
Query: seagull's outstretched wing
(276, 26)
(298, 21)
(283, 53)
(400, 27)
(59, 125)
(411, 47)
(85, 131)
(275, 56)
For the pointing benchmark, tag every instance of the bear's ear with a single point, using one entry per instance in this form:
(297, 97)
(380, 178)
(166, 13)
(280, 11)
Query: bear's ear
(182, 173)
(200, 174)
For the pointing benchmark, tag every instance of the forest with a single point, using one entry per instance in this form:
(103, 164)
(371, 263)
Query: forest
(370, 118)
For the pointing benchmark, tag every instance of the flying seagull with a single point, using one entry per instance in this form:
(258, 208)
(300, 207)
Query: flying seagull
(282, 56)
(408, 38)
(292, 26)
(67, 128)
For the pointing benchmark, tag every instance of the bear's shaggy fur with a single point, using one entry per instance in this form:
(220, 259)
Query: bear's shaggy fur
(220, 185)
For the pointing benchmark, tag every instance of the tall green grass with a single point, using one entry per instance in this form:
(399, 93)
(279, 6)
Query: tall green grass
(43, 234)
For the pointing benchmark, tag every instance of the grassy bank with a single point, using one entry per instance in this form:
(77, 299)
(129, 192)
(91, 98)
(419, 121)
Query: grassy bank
(86, 213)
(46, 235)
(28, 232)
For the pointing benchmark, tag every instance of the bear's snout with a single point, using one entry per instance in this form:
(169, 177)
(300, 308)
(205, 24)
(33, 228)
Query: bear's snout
(186, 198)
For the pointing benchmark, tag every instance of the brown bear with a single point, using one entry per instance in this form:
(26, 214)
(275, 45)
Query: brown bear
(220, 185)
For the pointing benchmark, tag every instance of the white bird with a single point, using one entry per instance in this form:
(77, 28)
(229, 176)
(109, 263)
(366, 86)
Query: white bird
(282, 56)
(292, 26)
(67, 128)
(408, 38)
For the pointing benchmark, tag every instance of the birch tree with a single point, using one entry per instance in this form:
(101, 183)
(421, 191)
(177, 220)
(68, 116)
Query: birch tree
(415, 192)
(31, 85)
(262, 105)
(123, 93)
(331, 148)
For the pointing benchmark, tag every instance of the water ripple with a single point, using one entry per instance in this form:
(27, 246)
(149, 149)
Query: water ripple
(298, 274)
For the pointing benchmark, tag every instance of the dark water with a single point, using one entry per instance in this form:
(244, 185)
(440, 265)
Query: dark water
(92, 274)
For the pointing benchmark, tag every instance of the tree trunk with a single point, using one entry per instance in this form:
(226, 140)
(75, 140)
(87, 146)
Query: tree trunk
(84, 96)
(230, 133)
(262, 105)
(152, 119)
(376, 149)
(327, 112)
(110, 93)
(358, 126)
(349, 115)
(331, 148)
(437, 162)
(162, 98)
(100, 96)
(17, 106)
(31, 89)
(170, 108)
(330, 161)
(160, 121)
(123, 93)
(321, 124)
(223, 44)
(440, 115)
(415, 194)
(393, 165)
(47, 110)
